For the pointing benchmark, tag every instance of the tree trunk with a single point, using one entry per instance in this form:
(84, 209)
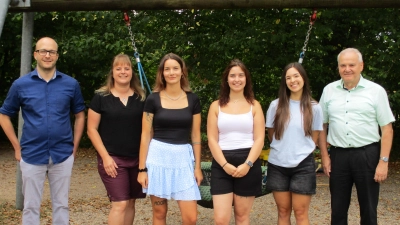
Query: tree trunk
(99, 5)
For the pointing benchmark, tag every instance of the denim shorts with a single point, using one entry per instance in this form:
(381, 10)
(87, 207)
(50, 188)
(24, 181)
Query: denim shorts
(223, 183)
(300, 179)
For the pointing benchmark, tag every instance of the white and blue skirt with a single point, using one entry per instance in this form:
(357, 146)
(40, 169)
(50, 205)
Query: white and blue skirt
(171, 171)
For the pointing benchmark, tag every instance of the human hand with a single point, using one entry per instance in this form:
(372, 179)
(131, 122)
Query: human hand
(17, 154)
(381, 171)
(326, 164)
(241, 170)
(198, 175)
(143, 179)
(229, 169)
(110, 166)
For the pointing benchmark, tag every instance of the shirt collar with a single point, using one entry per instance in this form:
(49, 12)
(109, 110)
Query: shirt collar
(36, 73)
(361, 83)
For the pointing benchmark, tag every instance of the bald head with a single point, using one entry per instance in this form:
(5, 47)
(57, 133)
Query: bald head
(46, 56)
(46, 41)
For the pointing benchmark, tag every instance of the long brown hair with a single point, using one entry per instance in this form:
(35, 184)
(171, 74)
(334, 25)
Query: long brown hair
(109, 83)
(160, 81)
(282, 115)
(225, 89)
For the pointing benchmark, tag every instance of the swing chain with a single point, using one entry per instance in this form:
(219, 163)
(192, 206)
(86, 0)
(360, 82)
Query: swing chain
(313, 18)
(132, 36)
(307, 37)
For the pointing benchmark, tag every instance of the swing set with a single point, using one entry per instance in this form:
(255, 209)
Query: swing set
(206, 198)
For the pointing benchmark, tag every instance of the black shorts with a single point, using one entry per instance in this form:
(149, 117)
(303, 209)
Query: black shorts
(300, 179)
(223, 183)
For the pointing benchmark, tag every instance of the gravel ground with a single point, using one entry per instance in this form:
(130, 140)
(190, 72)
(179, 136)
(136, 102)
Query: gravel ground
(89, 204)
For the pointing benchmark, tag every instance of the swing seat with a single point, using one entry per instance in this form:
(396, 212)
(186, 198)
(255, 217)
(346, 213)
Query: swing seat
(206, 198)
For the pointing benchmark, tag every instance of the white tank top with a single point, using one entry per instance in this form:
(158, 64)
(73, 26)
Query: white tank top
(235, 130)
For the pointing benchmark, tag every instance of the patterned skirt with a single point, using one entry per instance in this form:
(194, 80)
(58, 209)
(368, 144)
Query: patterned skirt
(171, 171)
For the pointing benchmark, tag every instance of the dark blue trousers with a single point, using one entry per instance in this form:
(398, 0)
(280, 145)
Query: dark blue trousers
(354, 166)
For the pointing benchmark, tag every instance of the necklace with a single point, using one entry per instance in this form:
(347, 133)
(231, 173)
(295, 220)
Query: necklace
(173, 99)
(234, 101)
(124, 100)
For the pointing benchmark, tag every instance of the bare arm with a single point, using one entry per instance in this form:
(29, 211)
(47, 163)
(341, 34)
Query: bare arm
(196, 143)
(315, 136)
(79, 125)
(270, 133)
(386, 145)
(213, 137)
(323, 147)
(258, 133)
(93, 122)
(5, 122)
(147, 131)
(258, 136)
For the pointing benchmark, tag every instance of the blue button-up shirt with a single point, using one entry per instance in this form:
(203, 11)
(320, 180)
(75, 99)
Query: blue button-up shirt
(46, 108)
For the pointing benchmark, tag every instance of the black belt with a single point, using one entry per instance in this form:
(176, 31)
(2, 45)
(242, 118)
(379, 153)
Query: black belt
(362, 147)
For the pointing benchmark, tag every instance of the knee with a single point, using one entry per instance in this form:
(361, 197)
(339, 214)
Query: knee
(284, 212)
(160, 213)
(301, 214)
(189, 220)
(241, 217)
(221, 220)
(119, 207)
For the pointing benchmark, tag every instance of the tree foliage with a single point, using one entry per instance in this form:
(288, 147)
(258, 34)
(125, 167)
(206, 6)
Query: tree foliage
(264, 39)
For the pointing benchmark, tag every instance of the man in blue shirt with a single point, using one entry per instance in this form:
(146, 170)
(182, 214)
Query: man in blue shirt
(355, 107)
(47, 147)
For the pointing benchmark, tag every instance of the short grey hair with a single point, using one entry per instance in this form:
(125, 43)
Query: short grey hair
(360, 59)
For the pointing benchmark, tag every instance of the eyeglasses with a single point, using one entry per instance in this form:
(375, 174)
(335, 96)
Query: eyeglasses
(44, 52)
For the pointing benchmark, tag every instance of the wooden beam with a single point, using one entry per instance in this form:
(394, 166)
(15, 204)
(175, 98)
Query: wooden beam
(100, 5)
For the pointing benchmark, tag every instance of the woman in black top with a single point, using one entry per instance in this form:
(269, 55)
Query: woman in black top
(166, 165)
(114, 127)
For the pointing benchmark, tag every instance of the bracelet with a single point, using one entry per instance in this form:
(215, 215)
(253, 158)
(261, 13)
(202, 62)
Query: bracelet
(224, 164)
(142, 170)
(196, 143)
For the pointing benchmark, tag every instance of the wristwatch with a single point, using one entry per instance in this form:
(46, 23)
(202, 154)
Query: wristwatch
(142, 170)
(249, 163)
(385, 159)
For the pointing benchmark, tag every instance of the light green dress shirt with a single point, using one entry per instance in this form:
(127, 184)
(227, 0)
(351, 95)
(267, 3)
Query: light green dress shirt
(354, 116)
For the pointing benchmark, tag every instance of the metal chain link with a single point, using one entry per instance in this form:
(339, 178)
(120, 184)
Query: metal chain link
(307, 37)
(312, 20)
(132, 38)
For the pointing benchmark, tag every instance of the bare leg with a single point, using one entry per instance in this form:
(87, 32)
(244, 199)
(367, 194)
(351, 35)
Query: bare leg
(130, 212)
(122, 212)
(160, 208)
(242, 208)
(188, 212)
(301, 204)
(222, 208)
(284, 203)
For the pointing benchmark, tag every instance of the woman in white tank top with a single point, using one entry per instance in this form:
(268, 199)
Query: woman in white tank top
(235, 131)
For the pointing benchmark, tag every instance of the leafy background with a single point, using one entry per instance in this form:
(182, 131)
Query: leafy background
(265, 39)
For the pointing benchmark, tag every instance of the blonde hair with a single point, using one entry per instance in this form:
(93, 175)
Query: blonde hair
(109, 83)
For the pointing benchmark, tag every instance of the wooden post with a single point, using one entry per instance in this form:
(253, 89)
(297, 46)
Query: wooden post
(98, 5)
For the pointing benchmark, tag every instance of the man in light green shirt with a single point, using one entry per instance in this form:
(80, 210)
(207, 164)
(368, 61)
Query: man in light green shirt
(355, 109)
